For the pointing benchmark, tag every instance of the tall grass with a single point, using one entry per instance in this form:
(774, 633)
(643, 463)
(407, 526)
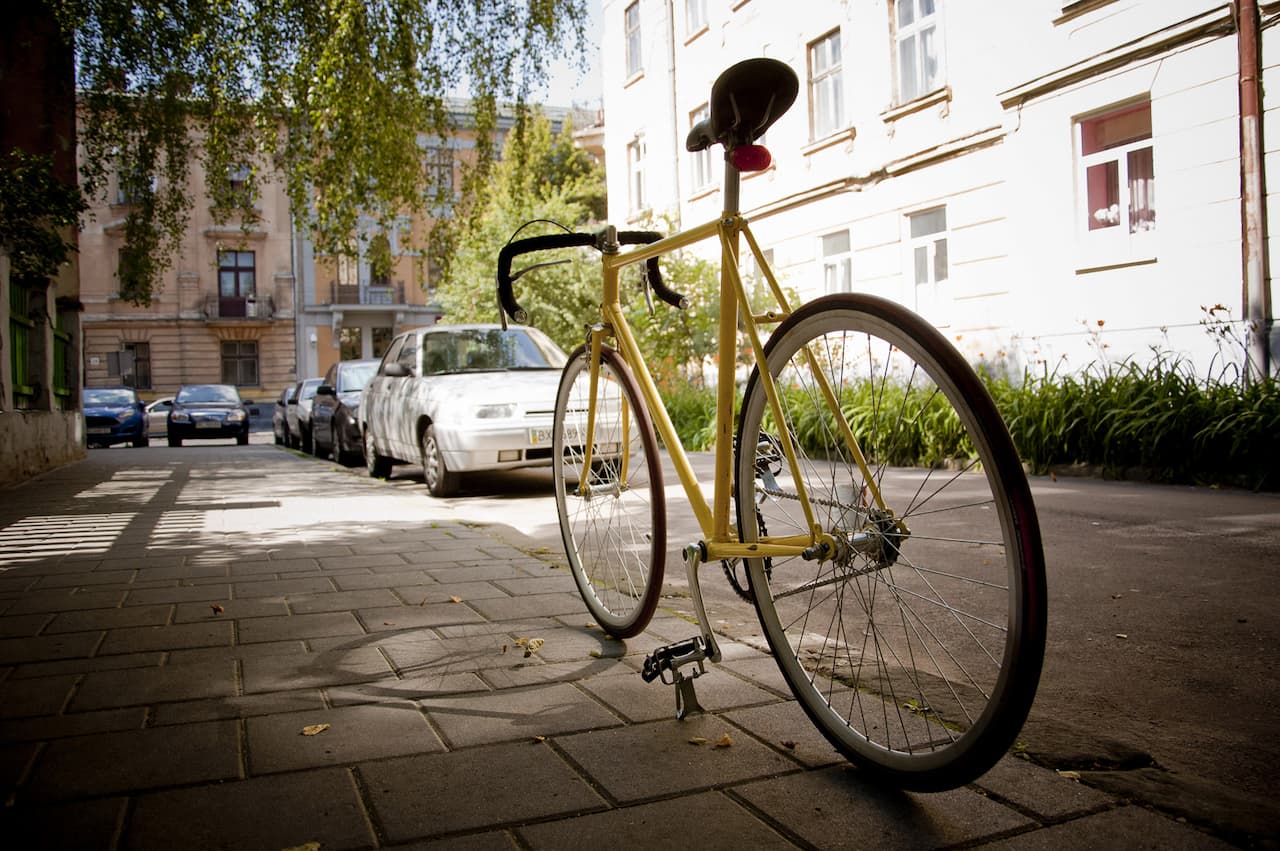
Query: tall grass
(1157, 419)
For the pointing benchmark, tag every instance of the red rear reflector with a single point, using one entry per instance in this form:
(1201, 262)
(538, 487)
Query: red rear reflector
(751, 158)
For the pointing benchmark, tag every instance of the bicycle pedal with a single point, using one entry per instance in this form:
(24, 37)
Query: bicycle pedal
(670, 657)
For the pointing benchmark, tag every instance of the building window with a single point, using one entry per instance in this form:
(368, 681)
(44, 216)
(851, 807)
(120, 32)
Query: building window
(133, 185)
(918, 43)
(132, 364)
(240, 362)
(1118, 172)
(381, 341)
(236, 282)
(632, 26)
(702, 160)
(927, 246)
(635, 172)
(23, 342)
(695, 16)
(239, 187)
(438, 162)
(826, 93)
(837, 263)
(349, 343)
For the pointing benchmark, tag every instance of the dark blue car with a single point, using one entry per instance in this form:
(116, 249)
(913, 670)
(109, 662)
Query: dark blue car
(114, 415)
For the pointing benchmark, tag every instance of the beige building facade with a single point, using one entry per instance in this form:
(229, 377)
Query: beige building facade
(223, 313)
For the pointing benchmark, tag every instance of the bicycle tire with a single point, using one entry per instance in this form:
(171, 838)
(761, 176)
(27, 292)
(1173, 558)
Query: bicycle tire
(615, 534)
(917, 656)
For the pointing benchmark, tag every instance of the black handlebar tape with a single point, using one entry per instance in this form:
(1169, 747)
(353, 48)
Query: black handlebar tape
(644, 237)
(526, 246)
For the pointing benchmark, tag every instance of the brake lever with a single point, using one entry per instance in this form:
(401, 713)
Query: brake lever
(502, 314)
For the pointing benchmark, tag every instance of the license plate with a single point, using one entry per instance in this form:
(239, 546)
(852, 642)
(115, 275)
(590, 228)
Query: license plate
(208, 424)
(546, 436)
(99, 431)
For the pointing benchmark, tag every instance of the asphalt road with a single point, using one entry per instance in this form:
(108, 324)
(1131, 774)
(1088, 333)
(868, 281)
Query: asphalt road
(1160, 681)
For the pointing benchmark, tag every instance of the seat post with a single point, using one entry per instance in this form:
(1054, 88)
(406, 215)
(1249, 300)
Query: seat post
(732, 187)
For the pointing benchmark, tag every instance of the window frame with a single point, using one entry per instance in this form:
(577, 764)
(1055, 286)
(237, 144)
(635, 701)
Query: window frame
(631, 39)
(637, 194)
(701, 165)
(914, 31)
(1120, 241)
(819, 84)
(695, 17)
(234, 304)
(839, 261)
(936, 306)
(234, 359)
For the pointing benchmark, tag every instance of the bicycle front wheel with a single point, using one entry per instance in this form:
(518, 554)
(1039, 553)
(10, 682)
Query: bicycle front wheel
(914, 641)
(612, 509)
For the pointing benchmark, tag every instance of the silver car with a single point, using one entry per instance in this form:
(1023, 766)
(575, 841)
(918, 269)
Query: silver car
(462, 398)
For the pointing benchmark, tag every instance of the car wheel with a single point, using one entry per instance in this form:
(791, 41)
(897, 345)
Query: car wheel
(440, 481)
(278, 439)
(341, 453)
(242, 439)
(379, 466)
(305, 441)
(175, 441)
(140, 441)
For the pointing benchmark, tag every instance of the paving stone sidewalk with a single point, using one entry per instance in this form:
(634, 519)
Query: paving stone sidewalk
(174, 623)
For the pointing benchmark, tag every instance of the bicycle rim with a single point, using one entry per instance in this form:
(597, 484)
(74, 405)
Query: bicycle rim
(613, 515)
(917, 650)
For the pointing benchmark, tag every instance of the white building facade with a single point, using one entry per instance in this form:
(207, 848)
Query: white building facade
(992, 164)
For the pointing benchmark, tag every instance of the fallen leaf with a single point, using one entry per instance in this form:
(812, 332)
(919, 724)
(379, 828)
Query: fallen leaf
(314, 729)
(788, 744)
(1053, 477)
(1070, 775)
(697, 740)
(306, 846)
(532, 646)
(388, 623)
(504, 648)
(537, 739)
(1121, 635)
(724, 741)
(591, 625)
(595, 654)
(217, 610)
(455, 599)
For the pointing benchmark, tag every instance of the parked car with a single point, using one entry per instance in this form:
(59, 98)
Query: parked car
(462, 398)
(335, 427)
(280, 416)
(208, 411)
(298, 415)
(158, 416)
(113, 415)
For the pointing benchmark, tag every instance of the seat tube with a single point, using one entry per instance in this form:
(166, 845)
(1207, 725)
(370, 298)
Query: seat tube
(728, 350)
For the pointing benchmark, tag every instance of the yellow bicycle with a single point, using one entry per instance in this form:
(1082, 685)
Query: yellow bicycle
(868, 486)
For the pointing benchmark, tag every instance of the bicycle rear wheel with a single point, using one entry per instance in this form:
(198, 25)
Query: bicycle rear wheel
(613, 516)
(915, 648)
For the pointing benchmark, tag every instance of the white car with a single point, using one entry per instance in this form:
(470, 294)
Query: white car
(462, 398)
(158, 416)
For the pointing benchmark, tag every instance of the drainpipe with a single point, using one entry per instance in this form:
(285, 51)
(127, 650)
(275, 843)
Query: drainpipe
(1255, 292)
(677, 141)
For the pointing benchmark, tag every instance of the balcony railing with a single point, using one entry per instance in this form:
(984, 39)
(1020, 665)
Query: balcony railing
(355, 294)
(239, 307)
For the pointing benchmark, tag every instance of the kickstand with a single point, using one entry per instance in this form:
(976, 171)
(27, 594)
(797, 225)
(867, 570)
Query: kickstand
(686, 697)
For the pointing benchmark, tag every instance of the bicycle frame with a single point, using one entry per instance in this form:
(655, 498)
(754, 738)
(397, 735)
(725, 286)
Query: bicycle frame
(720, 541)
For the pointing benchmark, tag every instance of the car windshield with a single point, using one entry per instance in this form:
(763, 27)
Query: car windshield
(207, 393)
(487, 350)
(355, 377)
(100, 396)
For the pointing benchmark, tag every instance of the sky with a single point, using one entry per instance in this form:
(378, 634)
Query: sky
(569, 86)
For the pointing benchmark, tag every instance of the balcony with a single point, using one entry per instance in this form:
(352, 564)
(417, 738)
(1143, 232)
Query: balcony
(257, 308)
(387, 293)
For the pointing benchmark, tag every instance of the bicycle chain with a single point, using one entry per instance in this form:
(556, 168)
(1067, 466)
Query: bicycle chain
(730, 567)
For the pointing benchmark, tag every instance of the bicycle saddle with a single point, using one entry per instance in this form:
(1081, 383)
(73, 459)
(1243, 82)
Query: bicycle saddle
(745, 100)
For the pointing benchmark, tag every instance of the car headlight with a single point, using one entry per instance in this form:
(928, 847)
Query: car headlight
(496, 412)
(235, 416)
(180, 417)
(124, 416)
